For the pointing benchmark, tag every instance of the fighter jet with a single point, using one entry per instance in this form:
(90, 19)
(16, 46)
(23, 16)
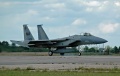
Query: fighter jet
(59, 45)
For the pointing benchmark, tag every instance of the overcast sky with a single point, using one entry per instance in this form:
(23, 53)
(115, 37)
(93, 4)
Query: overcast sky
(61, 18)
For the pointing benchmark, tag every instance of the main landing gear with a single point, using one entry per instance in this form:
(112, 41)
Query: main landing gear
(61, 51)
(79, 54)
(50, 53)
(62, 54)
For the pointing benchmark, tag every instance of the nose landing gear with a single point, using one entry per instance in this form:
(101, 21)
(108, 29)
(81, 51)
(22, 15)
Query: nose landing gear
(79, 48)
(50, 53)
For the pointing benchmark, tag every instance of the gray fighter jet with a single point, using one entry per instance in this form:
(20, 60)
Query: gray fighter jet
(59, 45)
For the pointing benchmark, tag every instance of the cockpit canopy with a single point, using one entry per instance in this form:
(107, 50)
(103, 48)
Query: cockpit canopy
(86, 34)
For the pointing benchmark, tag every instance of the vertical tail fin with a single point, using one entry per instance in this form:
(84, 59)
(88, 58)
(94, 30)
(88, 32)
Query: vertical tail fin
(41, 33)
(27, 33)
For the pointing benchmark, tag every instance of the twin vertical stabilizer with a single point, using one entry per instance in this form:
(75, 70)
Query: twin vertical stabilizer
(41, 33)
(27, 33)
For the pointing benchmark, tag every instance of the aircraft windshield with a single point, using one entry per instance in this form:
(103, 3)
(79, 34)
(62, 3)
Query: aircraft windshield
(86, 34)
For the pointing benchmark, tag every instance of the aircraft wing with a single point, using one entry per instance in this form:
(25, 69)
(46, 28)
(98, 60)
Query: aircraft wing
(47, 41)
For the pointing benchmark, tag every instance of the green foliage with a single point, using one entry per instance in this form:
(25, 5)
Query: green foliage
(5, 43)
(13, 45)
(0, 43)
(92, 49)
(86, 48)
(0, 50)
(119, 49)
(55, 73)
(107, 50)
(30, 68)
(116, 50)
(17, 68)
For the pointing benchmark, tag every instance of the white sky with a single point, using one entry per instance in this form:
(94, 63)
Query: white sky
(61, 18)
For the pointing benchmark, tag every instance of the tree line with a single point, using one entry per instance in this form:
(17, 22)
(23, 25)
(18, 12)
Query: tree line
(6, 47)
(107, 50)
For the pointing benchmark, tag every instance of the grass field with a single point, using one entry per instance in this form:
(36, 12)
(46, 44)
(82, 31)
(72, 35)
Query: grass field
(46, 72)
(55, 73)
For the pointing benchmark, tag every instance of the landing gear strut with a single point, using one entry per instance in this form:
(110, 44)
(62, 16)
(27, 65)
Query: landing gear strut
(79, 53)
(79, 50)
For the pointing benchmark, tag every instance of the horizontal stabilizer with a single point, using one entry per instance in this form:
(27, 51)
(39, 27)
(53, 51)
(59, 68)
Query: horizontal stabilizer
(19, 43)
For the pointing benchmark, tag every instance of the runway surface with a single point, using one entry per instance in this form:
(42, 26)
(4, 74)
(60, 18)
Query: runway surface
(56, 62)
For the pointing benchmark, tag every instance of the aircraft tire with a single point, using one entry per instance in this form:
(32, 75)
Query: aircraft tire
(62, 54)
(79, 53)
(50, 53)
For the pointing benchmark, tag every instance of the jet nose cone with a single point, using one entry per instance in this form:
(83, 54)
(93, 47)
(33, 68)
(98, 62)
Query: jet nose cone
(104, 41)
(100, 40)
